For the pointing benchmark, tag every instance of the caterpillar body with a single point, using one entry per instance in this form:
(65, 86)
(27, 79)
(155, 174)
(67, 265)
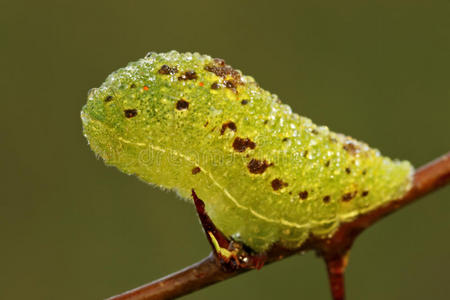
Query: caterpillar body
(188, 121)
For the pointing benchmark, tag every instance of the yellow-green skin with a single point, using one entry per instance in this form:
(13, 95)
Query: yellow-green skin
(272, 177)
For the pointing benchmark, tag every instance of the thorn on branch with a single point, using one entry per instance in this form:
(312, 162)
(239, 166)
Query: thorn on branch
(230, 254)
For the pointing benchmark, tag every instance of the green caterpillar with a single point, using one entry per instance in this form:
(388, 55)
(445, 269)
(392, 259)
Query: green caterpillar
(188, 121)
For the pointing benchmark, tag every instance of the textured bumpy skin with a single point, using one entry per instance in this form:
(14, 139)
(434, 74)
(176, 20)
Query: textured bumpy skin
(187, 121)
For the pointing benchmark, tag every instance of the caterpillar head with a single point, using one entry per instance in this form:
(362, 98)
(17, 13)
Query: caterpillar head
(144, 100)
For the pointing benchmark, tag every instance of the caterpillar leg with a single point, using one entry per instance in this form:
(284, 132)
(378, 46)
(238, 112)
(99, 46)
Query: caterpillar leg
(231, 255)
(336, 270)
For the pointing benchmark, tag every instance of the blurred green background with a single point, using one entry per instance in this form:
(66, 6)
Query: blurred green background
(72, 228)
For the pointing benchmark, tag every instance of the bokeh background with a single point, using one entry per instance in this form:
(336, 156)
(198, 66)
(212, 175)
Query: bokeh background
(72, 228)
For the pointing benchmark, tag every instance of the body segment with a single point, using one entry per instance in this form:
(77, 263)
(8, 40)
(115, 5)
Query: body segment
(266, 174)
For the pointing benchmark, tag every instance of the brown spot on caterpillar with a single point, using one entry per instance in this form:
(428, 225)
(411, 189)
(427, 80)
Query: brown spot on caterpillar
(285, 139)
(315, 131)
(265, 122)
(305, 153)
(364, 172)
(244, 102)
(182, 104)
(223, 70)
(327, 163)
(206, 124)
(109, 98)
(240, 144)
(278, 184)
(365, 193)
(348, 170)
(132, 86)
(349, 196)
(256, 166)
(230, 125)
(230, 84)
(130, 113)
(215, 86)
(166, 70)
(195, 170)
(351, 148)
(326, 199)
(303, 195)
(188, 75)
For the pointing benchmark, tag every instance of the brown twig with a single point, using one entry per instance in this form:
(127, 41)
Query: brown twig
(334, 249)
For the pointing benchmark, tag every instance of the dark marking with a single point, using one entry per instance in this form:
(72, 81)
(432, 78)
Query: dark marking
(326, 199)
(327, 163)
(364, 172)
(130, 113)
(285, 139)
(256, 166)
(240, 144)
(166, 70)
(230, 125)
(305, 153)
(206, 124)
(314, 131)
(349, 196)
(351, 148)
(223, 70)
(265, 122)
(195, 170)
(348, 170)
(188, 75)
(244, 102)
(132, 86)
(230, 84)
(365, 193)
(109, 98)
(215, 86)
(303, 195)
(182, 104)
(278, 184)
